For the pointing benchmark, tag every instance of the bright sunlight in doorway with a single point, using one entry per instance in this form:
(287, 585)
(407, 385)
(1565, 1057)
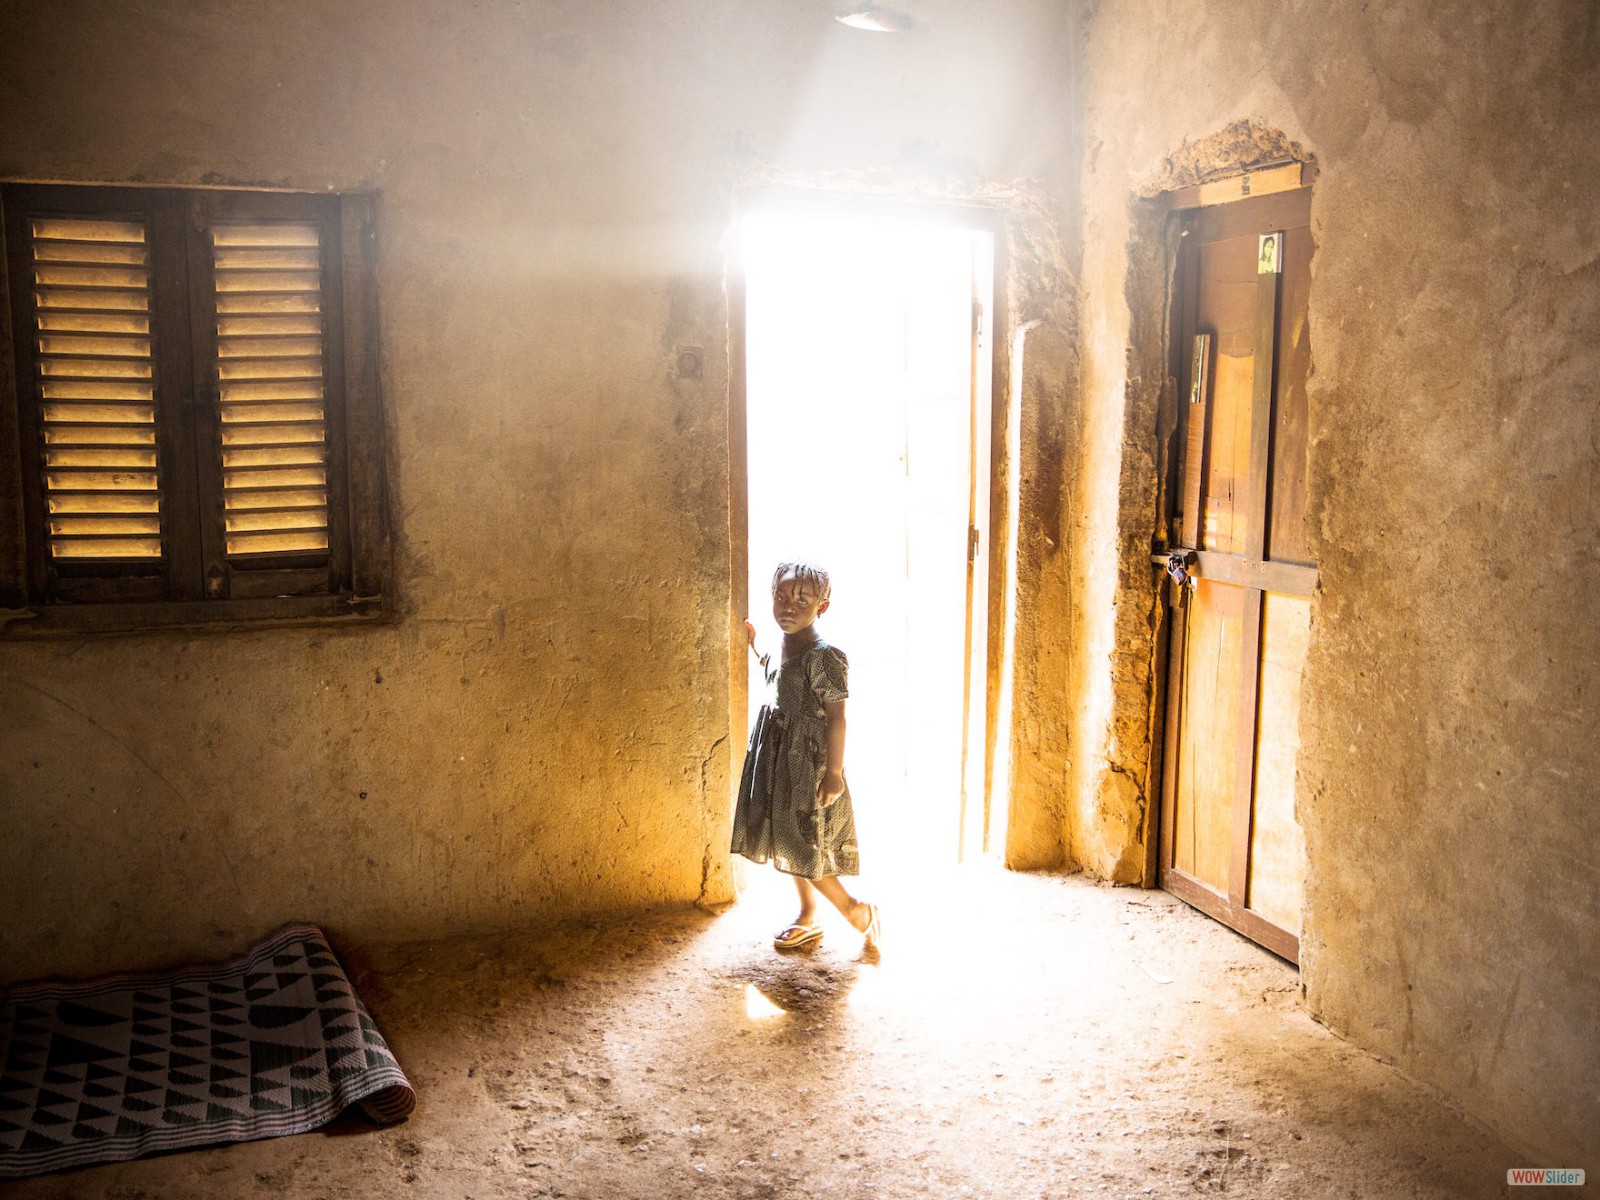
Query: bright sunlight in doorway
(868, 414)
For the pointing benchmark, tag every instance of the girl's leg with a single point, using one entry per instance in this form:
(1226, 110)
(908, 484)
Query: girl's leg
(803, 930)
(857, 912)
(808, 901)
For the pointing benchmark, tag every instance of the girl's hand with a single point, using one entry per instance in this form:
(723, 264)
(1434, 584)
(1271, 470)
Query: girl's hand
(830, 787)
(750, 633)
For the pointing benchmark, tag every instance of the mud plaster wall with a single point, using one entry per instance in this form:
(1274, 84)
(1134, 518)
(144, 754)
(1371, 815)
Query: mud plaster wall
(543, 730)
(1448, 760)
(1042, 366)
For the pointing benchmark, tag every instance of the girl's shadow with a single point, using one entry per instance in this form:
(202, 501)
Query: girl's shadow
(812, 981)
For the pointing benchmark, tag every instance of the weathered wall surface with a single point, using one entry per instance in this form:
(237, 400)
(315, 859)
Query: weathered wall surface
(1041, 359)
(543, 730)
(1041, 651)
(1448, 761)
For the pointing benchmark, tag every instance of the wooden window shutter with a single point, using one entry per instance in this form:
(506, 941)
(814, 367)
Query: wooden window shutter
(271, 389)
(95, 386)
(101, 366)
(265, 273)
(196, 431)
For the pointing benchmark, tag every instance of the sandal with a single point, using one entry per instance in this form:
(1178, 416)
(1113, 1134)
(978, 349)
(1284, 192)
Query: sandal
(874, 930)
(792, 937)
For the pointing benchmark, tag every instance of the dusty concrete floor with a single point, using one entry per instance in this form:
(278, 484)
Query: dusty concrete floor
(1061, 1039)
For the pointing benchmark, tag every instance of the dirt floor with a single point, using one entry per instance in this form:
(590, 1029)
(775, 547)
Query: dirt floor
(1020, 1036)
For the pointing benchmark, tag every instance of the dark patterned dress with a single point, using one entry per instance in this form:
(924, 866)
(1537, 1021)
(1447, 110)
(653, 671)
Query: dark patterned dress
(778, 816)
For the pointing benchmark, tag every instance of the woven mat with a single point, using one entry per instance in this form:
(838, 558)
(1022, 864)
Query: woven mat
(270, 1043)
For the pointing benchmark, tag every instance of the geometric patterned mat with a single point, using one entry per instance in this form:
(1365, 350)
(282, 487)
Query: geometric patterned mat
(270, 1043)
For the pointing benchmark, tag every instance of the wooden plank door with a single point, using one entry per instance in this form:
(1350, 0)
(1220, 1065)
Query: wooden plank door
(1230, 843)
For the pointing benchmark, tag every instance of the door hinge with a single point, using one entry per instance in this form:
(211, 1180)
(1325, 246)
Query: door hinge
(977, 317)
(972, 543)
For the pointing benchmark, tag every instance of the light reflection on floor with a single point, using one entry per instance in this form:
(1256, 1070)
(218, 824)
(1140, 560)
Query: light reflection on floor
(1016, 1038)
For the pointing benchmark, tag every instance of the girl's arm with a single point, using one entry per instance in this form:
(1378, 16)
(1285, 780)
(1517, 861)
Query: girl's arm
(831, 786)
(763, 659)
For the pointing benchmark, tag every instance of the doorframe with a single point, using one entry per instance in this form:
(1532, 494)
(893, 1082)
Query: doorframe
(995, 547)
(1167, 215)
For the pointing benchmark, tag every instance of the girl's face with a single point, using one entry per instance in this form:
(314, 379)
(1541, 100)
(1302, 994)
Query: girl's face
(796, 604)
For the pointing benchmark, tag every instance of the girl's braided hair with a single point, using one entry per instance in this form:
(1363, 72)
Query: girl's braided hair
(804, 572)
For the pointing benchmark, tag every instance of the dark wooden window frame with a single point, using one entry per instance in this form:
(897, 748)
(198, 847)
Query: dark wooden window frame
(197, 585)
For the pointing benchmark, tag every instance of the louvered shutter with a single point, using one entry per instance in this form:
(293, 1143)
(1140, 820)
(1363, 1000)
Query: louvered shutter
(181, 418)
(100, 332)
(94, 382)
(271, 388)
(265, 275)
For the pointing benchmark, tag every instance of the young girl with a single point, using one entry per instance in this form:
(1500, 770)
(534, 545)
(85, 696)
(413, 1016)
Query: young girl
(794, 805)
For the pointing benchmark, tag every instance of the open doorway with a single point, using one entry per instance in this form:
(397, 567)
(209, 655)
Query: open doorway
(867, 371)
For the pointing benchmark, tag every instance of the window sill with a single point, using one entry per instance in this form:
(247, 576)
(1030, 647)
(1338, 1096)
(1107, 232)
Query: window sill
(65, 620)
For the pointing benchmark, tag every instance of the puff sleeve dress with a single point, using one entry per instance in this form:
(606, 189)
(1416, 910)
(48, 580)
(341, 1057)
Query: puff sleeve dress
(778, 817)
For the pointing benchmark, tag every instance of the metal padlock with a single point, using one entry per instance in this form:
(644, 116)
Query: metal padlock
(1178, 567)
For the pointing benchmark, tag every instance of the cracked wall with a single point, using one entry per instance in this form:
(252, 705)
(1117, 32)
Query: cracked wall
(1452, 919)
(543, 729)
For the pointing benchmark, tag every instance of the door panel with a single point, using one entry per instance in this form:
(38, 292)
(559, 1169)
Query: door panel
(1277, 848)
(1228, 300)
(1230, 842)
(937, 463)
(1286, 531)
(1225, 510)
(1204, 836)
